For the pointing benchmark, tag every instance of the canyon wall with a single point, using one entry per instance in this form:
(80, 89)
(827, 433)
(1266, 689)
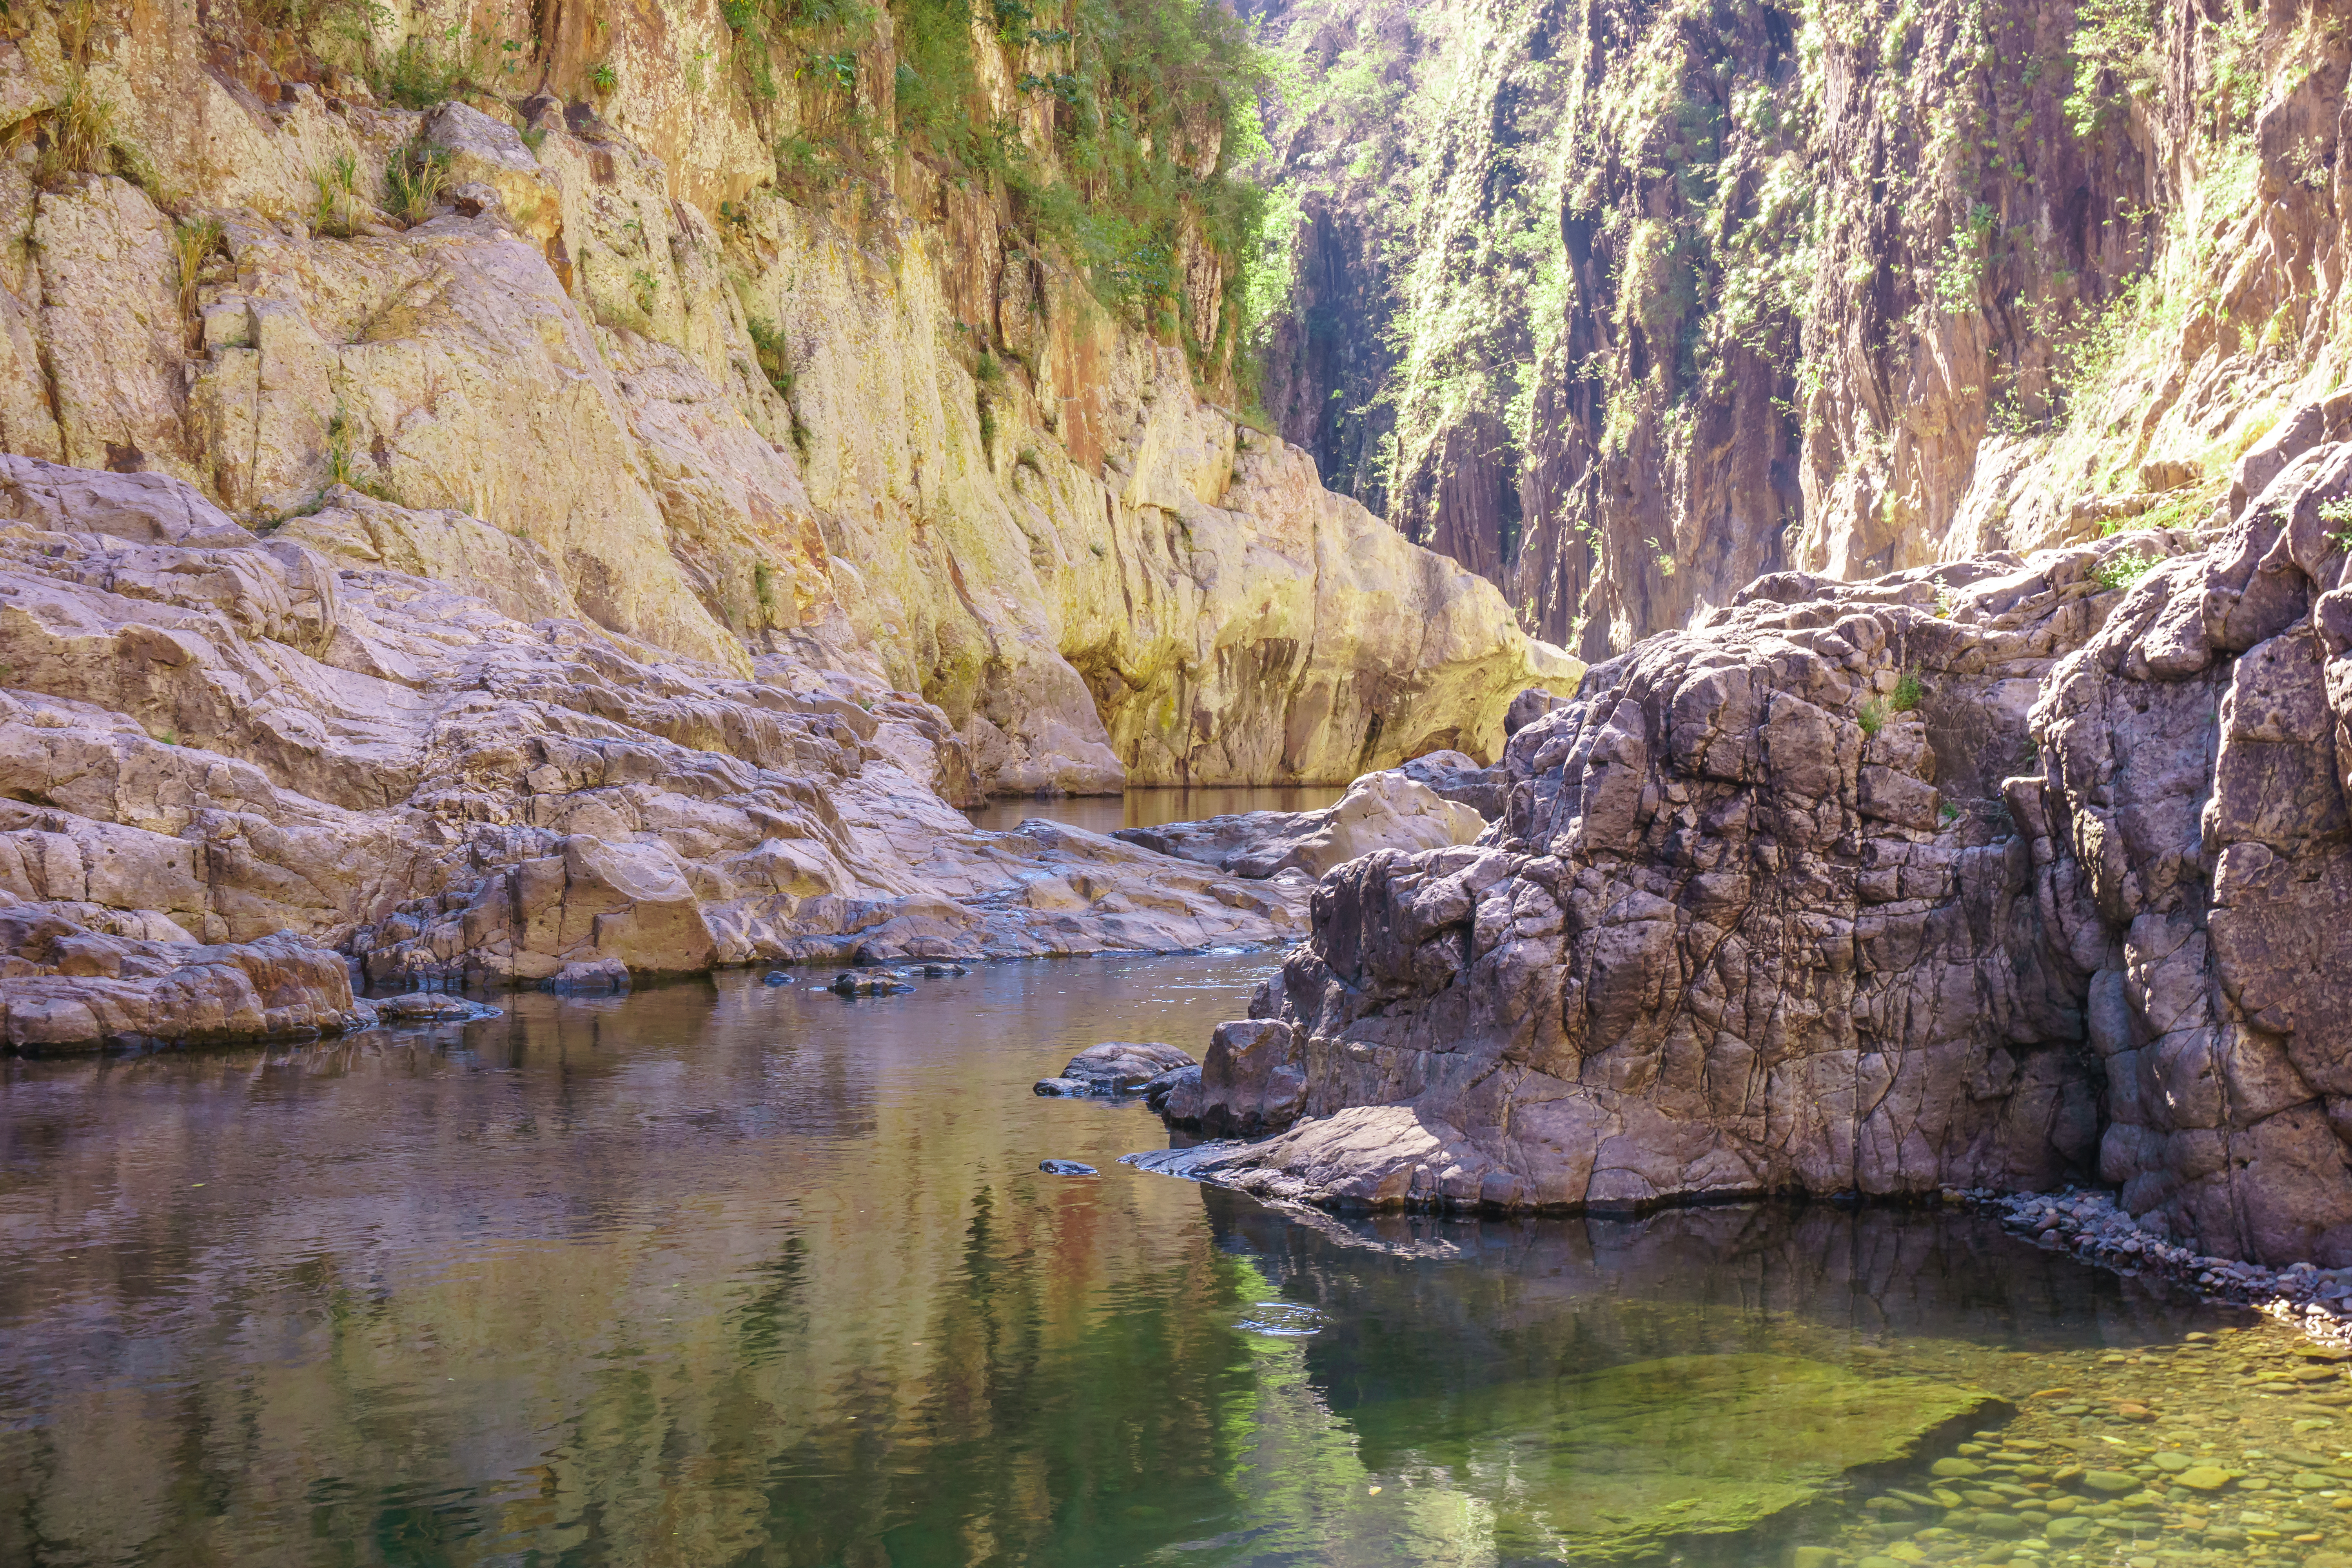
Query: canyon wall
(690, 298)
(1625, 304)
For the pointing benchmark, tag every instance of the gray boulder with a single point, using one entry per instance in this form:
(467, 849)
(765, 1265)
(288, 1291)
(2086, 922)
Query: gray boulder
(1114, 1067)
(2002, 873)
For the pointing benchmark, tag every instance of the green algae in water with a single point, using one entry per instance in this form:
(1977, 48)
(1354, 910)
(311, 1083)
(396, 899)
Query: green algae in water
(1675, 1455)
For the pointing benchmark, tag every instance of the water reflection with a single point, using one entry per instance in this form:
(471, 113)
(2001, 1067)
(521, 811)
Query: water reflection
(1149, 807)
(725, 1273)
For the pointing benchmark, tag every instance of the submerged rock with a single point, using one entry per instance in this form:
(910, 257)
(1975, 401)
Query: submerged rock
(1688, 1454)
(776, 977)
(431, 1007)
(1064, 1168)
(1114, 1067)
(877, 985)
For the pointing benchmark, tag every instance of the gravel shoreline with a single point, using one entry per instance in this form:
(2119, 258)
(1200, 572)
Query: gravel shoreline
(2091, 1225)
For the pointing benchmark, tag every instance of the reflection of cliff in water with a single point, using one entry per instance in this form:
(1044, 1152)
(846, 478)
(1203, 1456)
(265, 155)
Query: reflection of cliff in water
(1417, 1302)
(720, 1272)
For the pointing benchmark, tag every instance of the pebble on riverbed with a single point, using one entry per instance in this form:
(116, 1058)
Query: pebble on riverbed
(2228, 1446)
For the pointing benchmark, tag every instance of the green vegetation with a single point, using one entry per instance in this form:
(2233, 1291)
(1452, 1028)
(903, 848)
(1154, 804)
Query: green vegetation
(1908, 692)
(337, 203)
(2115, 60)
(193, 240)
(1151, 104)
(776, 365)
(2337, 515)
(80, 135)
(1872, 716)
(415, 182)
(2121, 568)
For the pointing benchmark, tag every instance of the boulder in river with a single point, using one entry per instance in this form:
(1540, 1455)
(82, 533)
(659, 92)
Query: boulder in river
(1114, 1067)
(1253, 1081)
(2002, 873)
(1065, 1168)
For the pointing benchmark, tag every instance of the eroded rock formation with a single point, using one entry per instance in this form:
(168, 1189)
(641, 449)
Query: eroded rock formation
(869, 426)
(240, 736)
(2002, 873)
(80, 976)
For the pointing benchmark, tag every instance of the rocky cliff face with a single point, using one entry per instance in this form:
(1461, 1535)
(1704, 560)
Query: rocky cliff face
(2003, 873)
(1623, 305)
(760, 375)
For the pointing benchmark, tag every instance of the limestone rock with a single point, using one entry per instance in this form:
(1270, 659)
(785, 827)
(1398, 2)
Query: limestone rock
(249, 737)
(731, 425)
(1381, 811)
(69, 986)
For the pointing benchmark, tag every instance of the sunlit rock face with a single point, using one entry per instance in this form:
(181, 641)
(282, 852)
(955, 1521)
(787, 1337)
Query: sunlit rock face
(1757, 920)
(221, 738)
(872, 427)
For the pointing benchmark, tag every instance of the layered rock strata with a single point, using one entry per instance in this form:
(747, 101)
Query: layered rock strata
(234, 737)
(1998, 874)
(79, 977)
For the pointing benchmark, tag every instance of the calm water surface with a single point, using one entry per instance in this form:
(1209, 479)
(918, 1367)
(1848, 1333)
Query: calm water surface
(1149, 808)
(728, 1274)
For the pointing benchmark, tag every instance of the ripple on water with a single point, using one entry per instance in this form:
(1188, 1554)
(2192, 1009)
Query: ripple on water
(1282, 1321)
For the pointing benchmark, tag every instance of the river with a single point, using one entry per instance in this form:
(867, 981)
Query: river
(729, 1273)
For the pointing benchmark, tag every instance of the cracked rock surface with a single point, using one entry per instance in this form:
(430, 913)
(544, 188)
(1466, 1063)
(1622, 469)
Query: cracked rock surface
(1756, 921)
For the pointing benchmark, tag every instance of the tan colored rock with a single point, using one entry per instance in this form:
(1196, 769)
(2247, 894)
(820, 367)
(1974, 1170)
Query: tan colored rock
(1117, 584)
(249, 738)
(1380, 811)
(64, 986)
(492, 154)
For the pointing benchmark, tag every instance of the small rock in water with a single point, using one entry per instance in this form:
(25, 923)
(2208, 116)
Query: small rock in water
(1114, 1067)
(942, 970)
(777, 977)
(1064, 1168)
(431, 1007)
(883, 983)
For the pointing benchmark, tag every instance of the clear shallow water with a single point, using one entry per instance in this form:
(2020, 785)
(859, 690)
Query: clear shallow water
(1149, 808)
(728, 1274)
